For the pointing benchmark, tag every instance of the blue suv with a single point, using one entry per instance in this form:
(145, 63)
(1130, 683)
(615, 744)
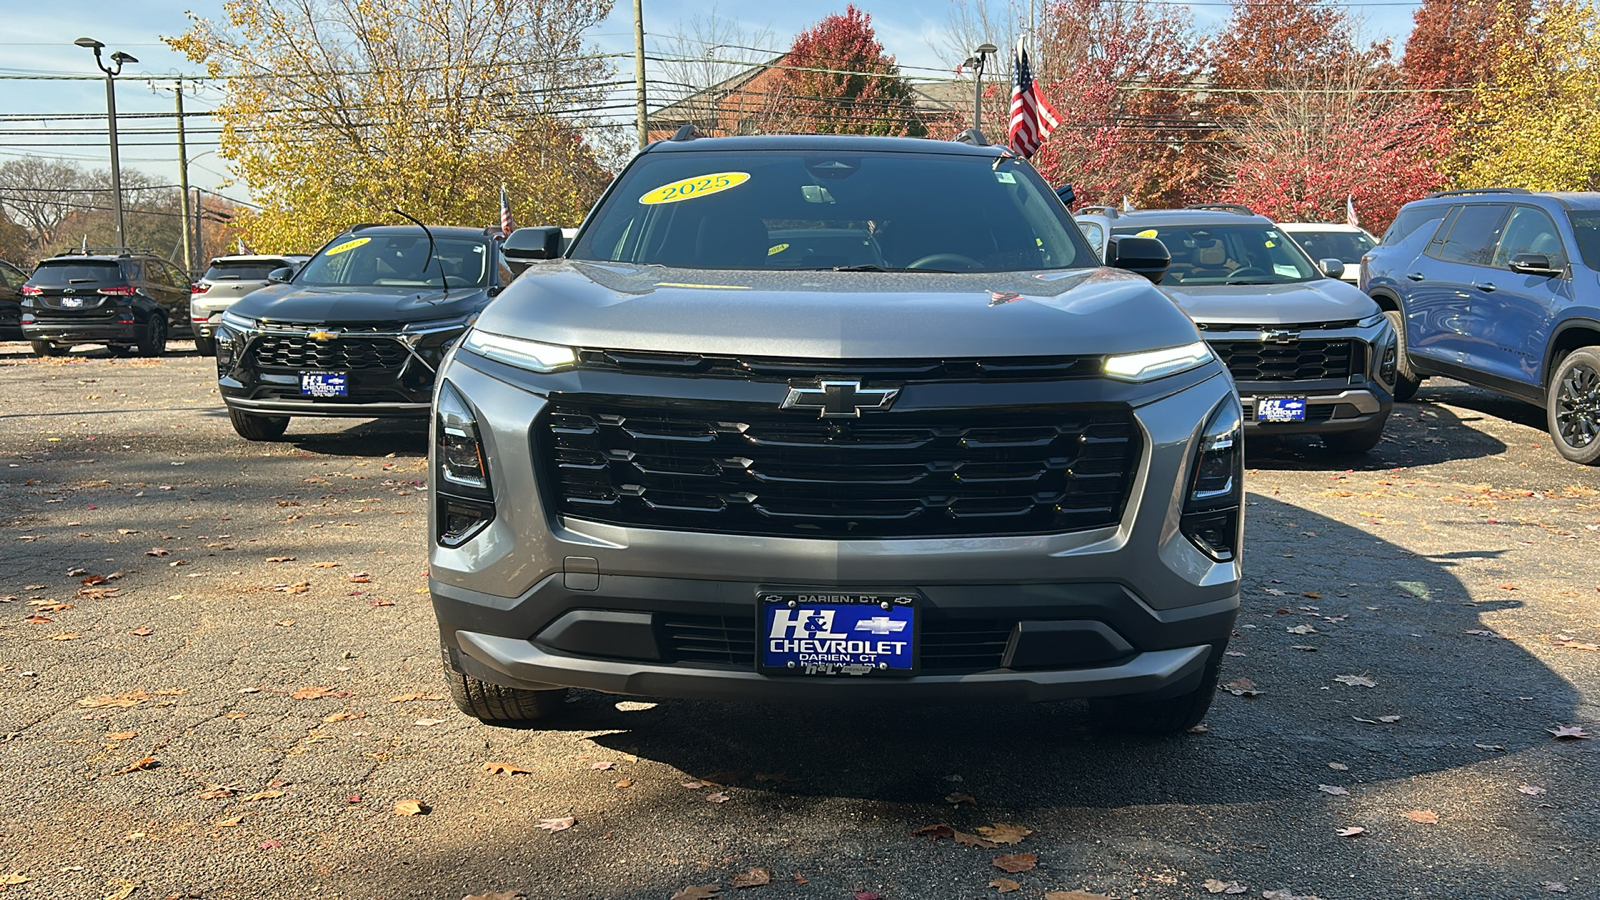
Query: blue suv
(1500, 288)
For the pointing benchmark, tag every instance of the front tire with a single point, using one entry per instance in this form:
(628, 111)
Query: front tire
(1572, 407)
(153, 342)
(494, 704)
(45, 348)
(1406, 379)
(258, 428)
(1167, 715)
(205, 346)
(1354, 441)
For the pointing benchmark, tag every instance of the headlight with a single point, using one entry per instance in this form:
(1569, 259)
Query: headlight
(237, 322)
(463, 495)
(1370, 321)
(438, 324)
(1153, 364)
(530, 355)
(1211, 512)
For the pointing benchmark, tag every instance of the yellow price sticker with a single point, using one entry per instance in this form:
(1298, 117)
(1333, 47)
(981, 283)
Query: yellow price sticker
(690, 188)
(775, 249)
(347, 245)
(1148, 232)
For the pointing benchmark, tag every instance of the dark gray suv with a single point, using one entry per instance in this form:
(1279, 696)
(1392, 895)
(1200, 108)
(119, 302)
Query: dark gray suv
(834, 419)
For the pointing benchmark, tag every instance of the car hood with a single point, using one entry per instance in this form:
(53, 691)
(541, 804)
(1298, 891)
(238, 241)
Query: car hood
(1302, 303)
(340, 305)
(837, 315)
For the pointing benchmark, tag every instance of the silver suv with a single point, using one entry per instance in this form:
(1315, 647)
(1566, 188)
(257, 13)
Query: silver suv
(227, 279)
(834, 419)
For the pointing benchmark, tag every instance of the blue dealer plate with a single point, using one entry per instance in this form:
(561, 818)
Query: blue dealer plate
(836, 633)
(324, 384)
(1281, 409)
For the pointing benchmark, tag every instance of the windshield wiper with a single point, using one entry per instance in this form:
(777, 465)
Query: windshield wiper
(869, 267)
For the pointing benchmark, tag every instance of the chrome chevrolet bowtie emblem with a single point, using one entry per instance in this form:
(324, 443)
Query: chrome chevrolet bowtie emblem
(1279, 337)
(322, 334)
(839, 399)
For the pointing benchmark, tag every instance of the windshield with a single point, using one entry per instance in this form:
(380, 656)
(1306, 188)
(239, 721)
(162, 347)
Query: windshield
(800, 210)
(1586, 228)
(53, 274)
(397, 260)
(254, 270)
(1345, 246)
(1229, 254)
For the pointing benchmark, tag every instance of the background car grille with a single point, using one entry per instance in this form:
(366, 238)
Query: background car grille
(948, 644)
(1310, 359)
(695, 467)
(298, 353)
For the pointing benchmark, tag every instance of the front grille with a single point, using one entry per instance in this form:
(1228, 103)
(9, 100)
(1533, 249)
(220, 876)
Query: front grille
(761, 368)
(697, 467)
(1308, 359)
(948, 644)
(297, 352)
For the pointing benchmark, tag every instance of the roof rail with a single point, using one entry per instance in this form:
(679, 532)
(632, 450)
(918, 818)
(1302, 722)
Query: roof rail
(364, 225)
(1467, 192)
(106, 251)
(1239, 208)
(687, 132)
(1109, 212)
(972, 136)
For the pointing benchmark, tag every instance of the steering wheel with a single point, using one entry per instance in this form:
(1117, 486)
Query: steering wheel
(965, 262)
(1248, 271)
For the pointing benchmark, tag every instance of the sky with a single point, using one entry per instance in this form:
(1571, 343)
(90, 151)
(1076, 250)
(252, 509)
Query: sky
(36, 39)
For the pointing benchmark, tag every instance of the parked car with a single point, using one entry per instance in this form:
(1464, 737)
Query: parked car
(721, 450)
(126, 299)
(226, 279)
(358, 331)
(1346, 243)
(1310, 353)
(11, 281)
(1500, 288)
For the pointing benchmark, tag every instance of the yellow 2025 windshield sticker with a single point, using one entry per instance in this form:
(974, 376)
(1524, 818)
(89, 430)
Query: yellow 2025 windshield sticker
(347, 245)
(690, 188)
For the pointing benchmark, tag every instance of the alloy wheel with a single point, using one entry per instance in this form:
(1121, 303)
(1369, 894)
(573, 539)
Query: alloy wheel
(1578, 406)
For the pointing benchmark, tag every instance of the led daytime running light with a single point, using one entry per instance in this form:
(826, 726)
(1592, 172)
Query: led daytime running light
(1153, 364)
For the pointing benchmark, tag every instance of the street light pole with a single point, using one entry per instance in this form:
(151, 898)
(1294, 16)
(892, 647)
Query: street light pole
(111, 124)
(976, 61)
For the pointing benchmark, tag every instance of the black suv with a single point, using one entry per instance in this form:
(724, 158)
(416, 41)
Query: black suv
(125, 299)
(357, 332)
(11, 281)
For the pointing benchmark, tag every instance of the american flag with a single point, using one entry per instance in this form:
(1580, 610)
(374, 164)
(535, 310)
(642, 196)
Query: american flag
(1032, 117)
(1350, 210)
(506, 225)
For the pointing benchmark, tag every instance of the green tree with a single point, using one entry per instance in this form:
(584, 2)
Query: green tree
(337, 112)
(1535, 122)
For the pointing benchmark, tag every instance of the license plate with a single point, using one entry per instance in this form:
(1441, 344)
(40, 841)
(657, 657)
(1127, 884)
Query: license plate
(1281, 409)
(71, 302)
(324, 384)
(837, 633)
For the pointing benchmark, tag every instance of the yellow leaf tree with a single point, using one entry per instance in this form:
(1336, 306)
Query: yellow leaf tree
(1536, 122)
(339, 111)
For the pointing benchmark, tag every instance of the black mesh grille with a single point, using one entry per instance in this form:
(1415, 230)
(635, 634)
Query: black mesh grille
(948, 644)
(720, 469)
(297, 352)
(1293, 360)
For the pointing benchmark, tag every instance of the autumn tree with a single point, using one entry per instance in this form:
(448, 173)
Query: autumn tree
(336, 112)
(1535, 123)
(836, 79)
(1453, 44)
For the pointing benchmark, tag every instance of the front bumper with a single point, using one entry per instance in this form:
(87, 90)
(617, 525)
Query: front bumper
(1352, 400)
(536, 599)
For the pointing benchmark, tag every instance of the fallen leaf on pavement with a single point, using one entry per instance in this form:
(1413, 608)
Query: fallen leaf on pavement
(694, 785)
(13, 878)
(800, 879)
(602, 766)
(1423, 816)
(143, 632)
(1388, 720)
(497, 895)
(124, 889)
(149, 762)
(1569, 732)
(427, 723)
(718, 798)
(1356, 680)
(1004, 834)
(500, 768)
(1074, 895)
(229, 822)
(1531, 790)
(158, 551)
(1016, 862)
(554, 825)
(1242, 687)
(1302, 629)
(325, 565)
(217, 792)
(625, 783)
(280, 559)
(38, 620)
(263, 795)
(1338, 767)
(413, 808)
(1285, 894)
(1554, 887)
(754, 878)
(345, 716)
(1200, 729)
(1005, 885)
(311, 693)
(959, 798)
(270, 844)
(407, 698)
(867, 895)
(1352, 831)
(66, 636)
(122, 735)
(972, 840)
(1333, 789)
(698, 892)
(1215, 886)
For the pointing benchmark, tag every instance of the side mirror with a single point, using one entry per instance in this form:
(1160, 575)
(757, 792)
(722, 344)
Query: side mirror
(1333, 268)
(281, 276)
(1068, 197)
(1145, 256)
(527, 245)
(1533, 264)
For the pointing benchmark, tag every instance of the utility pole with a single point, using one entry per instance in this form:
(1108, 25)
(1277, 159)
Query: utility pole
(183, 186)
(638, 70)
(199, 236)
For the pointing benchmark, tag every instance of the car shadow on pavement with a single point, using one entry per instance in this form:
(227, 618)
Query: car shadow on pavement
(1416, 434)
(1446, 688)
(1443, 390)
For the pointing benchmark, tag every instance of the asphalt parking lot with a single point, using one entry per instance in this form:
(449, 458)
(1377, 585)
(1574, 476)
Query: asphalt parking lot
(219, 678)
